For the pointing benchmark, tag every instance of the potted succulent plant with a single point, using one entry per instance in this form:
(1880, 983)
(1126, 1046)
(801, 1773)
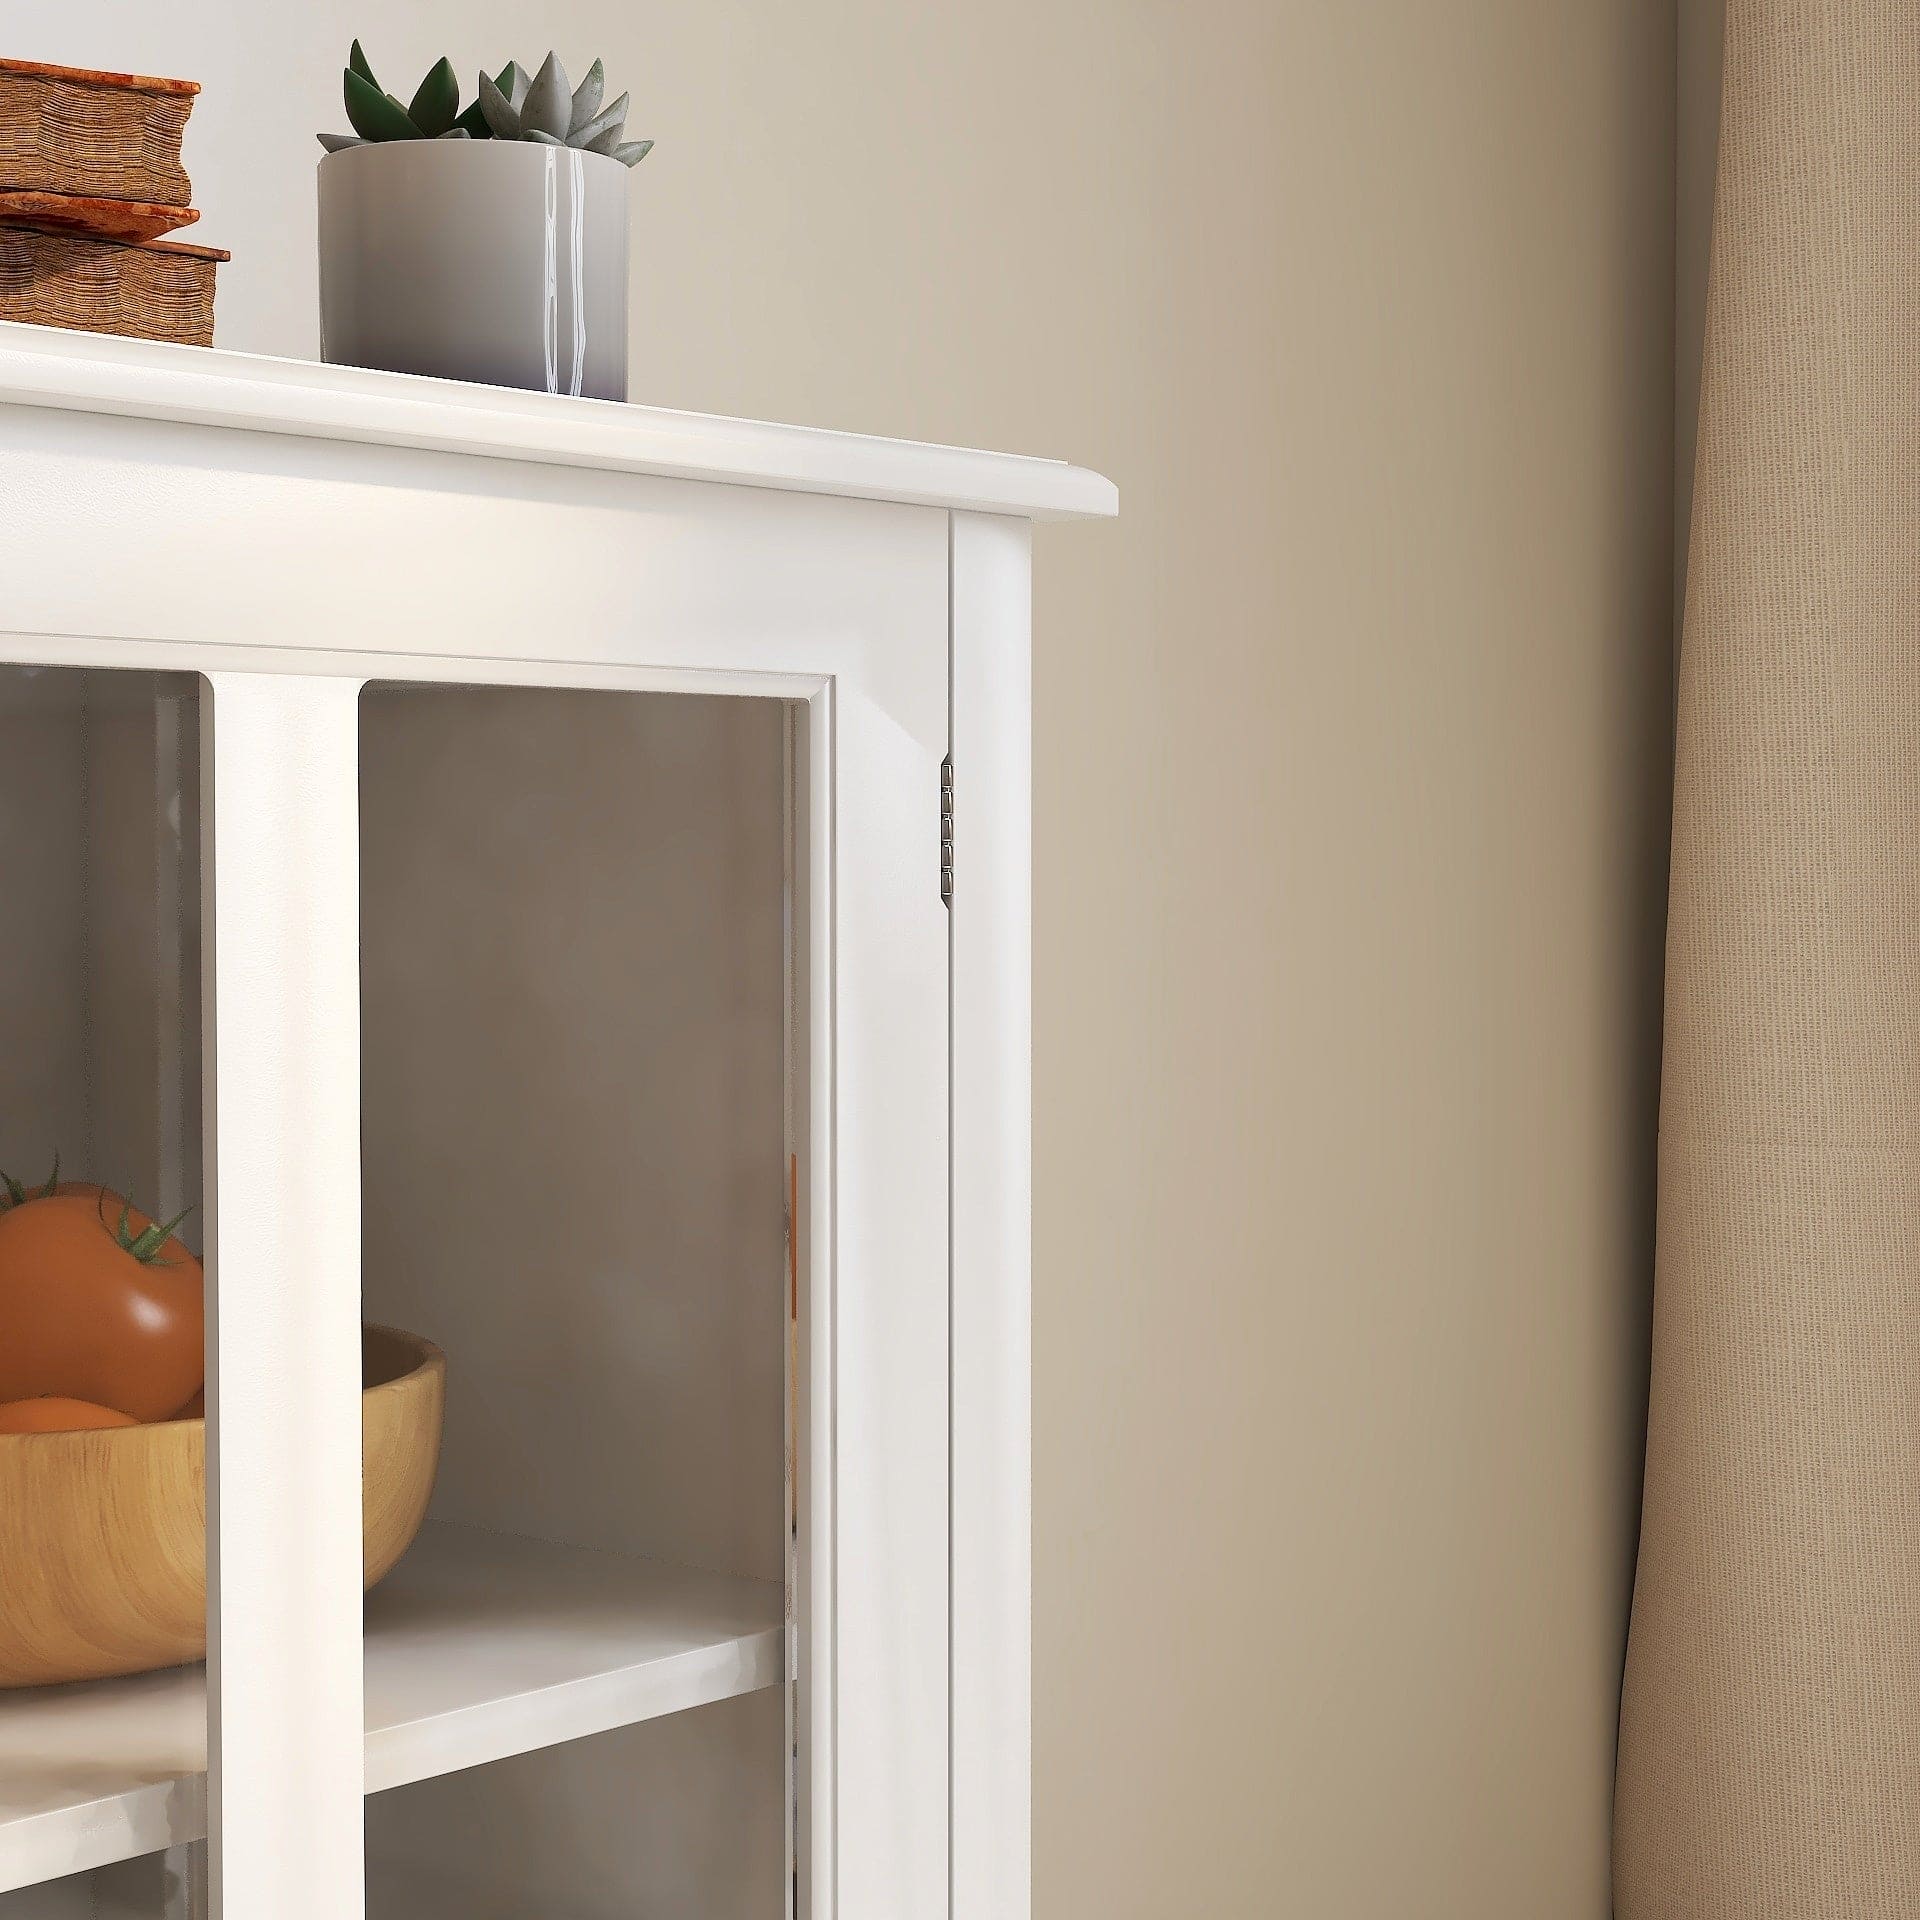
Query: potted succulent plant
(480, 243)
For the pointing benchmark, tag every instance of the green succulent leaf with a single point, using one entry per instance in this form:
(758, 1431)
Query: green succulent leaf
(499, 110)
(509, 105)
(548, 107)
(586, 99)
(605, 126)
(376, 115)
(512, 80)
(437, 100)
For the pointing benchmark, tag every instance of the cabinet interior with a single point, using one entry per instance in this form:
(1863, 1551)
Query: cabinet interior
(576, 929)
(100, 966)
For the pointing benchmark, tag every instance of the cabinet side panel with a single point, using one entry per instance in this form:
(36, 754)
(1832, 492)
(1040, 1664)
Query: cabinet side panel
(992, 1218)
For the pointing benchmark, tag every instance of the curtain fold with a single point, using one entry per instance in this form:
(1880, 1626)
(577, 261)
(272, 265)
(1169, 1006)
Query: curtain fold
(1770, 1724)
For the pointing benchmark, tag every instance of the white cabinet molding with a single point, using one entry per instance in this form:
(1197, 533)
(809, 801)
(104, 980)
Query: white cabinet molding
(145, 379)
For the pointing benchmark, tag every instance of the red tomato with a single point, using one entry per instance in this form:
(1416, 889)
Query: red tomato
(87, 1316)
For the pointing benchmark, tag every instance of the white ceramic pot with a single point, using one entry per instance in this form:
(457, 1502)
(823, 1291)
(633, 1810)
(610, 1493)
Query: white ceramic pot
(496, 260)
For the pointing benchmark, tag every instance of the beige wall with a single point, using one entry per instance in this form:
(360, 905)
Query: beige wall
(1350, 772)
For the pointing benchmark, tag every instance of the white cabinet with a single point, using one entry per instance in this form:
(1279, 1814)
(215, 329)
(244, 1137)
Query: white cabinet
(490, 854)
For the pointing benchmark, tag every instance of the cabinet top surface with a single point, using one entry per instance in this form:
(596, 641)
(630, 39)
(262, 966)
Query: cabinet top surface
(202, 386)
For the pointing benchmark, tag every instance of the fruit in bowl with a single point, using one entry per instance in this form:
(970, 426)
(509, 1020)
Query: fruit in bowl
(103, 1441)
(98, 1303)
(55, 1413)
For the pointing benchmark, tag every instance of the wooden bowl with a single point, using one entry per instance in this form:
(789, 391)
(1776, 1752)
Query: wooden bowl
(103, 1533)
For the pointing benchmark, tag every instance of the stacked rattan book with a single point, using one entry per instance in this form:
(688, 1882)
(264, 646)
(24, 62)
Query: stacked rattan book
(90, 181)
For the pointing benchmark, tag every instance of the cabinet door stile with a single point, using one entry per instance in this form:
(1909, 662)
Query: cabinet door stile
(281, 859)
(889, 1360)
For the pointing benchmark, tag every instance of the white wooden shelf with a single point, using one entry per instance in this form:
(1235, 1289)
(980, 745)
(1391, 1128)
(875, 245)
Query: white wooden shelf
(479, 1646)
(203, 386)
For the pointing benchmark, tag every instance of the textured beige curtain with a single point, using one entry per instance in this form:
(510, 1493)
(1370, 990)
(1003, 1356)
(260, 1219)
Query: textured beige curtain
(1770, 1731)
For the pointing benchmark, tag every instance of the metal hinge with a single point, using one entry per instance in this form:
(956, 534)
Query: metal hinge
(946, 831)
